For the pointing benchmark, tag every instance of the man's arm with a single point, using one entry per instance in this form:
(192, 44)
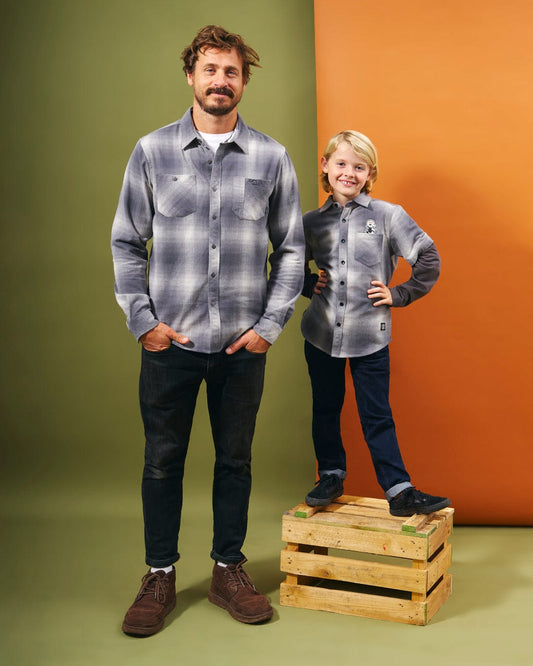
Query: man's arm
(287, 258)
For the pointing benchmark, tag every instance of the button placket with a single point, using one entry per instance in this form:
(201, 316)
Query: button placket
(343, 274)
(213, 270)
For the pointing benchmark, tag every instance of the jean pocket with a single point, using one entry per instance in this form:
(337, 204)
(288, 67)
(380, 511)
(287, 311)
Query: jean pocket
(251, 198)
(175, 194)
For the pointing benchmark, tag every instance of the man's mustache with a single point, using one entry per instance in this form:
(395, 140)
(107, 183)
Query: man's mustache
(221, 91)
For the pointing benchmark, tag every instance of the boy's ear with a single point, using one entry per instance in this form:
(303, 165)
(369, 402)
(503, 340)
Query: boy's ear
(324, 164)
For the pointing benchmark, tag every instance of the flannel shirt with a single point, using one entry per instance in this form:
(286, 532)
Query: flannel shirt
(210, 219)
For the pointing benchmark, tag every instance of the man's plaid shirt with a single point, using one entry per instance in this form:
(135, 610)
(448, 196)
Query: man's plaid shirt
(210, 218)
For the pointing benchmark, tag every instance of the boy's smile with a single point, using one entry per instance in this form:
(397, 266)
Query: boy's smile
(347, 173)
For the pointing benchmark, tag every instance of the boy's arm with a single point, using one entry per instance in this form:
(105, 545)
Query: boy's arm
(313, 283)
(310, 279)
(425, 272)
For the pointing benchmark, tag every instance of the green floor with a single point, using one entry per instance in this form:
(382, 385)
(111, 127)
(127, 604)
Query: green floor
(71, 564)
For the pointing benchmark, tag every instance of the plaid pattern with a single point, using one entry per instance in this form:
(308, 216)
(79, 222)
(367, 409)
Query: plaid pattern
(355, 245)
(210, 218)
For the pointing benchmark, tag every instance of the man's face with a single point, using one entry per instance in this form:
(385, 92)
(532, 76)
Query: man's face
(217, 81)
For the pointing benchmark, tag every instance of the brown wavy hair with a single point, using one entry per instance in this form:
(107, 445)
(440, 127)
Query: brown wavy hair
(215, 37)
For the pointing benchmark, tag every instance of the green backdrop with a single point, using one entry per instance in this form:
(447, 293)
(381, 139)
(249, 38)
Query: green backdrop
(82, 81)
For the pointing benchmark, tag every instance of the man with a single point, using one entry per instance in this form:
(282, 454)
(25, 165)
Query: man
(210, 192)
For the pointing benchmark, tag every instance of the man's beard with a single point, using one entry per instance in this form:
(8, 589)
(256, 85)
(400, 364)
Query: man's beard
(216, 109)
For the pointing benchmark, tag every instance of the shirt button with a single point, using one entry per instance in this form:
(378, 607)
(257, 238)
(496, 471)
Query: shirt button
(343, 240)
(215, 188)
(213, 274)
(338, 324)
(341, 304)
(343, 262)
(214, 217)
(214, 247)
(210, 162)
(175, 178)
(342, 282)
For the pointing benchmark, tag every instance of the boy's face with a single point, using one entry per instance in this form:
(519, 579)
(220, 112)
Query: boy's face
(347, 173)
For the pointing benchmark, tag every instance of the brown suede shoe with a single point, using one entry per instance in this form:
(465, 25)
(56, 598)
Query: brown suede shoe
(156, 598)
(232, 589)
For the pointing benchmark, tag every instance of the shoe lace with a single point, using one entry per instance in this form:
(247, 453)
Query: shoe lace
(153, 583)
(328, 481)
(237, 577)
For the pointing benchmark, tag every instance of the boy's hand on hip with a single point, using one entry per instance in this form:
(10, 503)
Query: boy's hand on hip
(251, 341)
(380, 293)
(321, 282)
(160, 338)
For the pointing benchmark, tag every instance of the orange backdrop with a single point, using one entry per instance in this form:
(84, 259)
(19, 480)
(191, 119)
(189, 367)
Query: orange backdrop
(445, 92)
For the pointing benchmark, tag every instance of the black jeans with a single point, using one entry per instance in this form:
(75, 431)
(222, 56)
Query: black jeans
(370, 375)
(168, 389)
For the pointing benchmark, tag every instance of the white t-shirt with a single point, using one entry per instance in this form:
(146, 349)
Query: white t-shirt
(214, 140)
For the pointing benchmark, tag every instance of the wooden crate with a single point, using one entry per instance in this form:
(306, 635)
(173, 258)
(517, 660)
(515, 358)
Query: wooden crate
(400, 568)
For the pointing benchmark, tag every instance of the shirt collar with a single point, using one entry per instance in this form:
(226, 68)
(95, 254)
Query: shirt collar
(191, 137)
(362, 199)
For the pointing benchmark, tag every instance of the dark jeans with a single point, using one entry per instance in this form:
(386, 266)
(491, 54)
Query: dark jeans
(370, 375)
(169, 385)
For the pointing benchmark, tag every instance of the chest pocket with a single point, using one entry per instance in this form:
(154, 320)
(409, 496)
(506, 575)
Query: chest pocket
(367, 248)
(175, 195)
(250, 198)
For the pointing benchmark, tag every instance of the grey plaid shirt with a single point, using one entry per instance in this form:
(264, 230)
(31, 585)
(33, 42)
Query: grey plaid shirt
(355, 245)
(210, 217)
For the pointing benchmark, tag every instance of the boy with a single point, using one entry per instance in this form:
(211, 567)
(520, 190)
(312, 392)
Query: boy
(355, 241)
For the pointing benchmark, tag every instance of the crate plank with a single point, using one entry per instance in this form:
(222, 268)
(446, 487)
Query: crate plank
(295, 530)
(354, 571)
(352, 603)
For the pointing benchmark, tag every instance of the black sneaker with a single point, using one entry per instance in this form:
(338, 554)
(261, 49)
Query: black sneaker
(326, 489)
(411, 501)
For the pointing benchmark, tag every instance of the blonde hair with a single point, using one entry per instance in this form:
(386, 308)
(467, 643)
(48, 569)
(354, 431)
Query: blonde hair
(362, 147)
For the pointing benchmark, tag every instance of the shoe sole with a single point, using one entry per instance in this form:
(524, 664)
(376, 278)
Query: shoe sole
(424, 511)
(314, 501)
(247, 619)
(145, 631)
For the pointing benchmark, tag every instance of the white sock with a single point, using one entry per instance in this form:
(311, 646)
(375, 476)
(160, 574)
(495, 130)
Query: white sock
(165, 569)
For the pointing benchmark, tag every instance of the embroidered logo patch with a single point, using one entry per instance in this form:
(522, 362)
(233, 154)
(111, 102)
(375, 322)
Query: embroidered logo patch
(370, 227)
(383, 327)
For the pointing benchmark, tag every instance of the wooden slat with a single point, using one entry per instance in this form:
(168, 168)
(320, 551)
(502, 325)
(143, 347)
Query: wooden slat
(443, 531)
(439, 565)
(353, 603)
(420, 595)
(354, 500)
(354, 571)
(376, 523)
(415, 523)
(438, 596)
(295, 530)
